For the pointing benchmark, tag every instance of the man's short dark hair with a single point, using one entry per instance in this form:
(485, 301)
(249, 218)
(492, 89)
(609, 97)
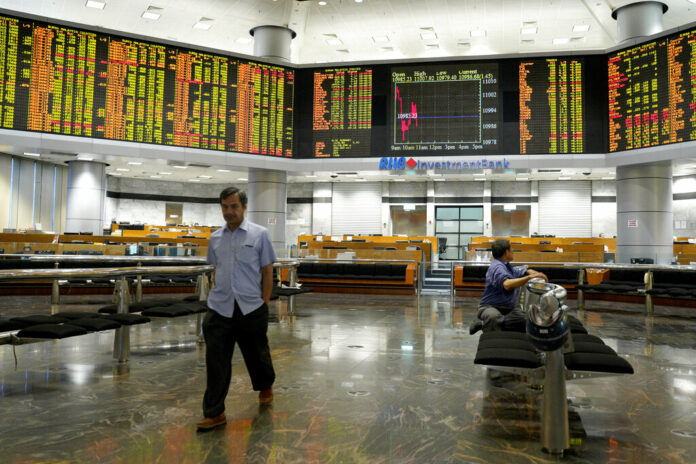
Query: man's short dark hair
(229, 191)
(499, 247)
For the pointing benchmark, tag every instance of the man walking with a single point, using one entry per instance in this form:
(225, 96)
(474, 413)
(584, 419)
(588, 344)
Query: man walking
(237, 307)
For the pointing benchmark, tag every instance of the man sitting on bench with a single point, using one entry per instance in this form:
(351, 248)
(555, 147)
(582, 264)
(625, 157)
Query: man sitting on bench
(503, 282)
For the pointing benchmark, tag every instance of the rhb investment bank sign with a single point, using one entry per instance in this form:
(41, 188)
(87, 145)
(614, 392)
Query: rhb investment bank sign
(399, 163)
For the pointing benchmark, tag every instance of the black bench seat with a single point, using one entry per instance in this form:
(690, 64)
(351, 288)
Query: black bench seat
(370, 271)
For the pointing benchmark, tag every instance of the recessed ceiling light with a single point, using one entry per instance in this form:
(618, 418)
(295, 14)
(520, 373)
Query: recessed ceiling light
(528, 41)
(155, 177)
(243, 40)
(528, 30)
(85, 158)
(428, 35)
(358, 1)
(311, 176)
(612, 177)
(563, 177)
(380, 38)
(135, 163)
(206, 177)
(152, 13)
(164, 173)
(36, 155)
(386, 49)
(114, 173)
(432, 46)
(581, 28)
(322, 180)
(335, 41)
(204, 24)
(242, 178)
(194, 180)
(179, 166)
(463, 43)
(399, 180)
(561, 40)
(438, 180)
(479, 174)
(521, 178)
(123, 169)
(95, 4)
(322, 3)
(360, 180)
(222, 170)
(343, 50)
(478, 33)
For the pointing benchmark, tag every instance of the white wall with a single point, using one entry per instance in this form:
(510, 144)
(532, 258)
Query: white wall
(603, 211)
(684, 209)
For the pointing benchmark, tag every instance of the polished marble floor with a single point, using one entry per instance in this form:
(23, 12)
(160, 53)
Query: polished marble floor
(360, 379)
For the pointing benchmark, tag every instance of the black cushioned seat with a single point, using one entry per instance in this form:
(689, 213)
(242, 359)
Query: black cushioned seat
(167, 311)
(77, 281)
(95, 324)
(598, 362)
(364, 271)
(586, 338)
(7, 326)
(192, 298)
(159, 279)
(474, 273)
(398, 271)
(512, 343)
(52, 331)
(507, 357)
(589, 347)
(506, 335)
(77, 315)
(183, 279)
(127, 319)
(335, 270)
(382, 271)
(280, 291)
(305, 269)
(38, 319)
(319, 270)
(101, 280)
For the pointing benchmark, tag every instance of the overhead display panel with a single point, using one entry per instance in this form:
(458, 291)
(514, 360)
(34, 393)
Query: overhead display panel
(62, 80)
(652, 98)
(445, 108)
(342, 112)
(551, 106)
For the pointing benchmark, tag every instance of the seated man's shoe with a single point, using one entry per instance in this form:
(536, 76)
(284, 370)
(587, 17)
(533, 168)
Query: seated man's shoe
(211, 422)
(475, 326)
(266, 396)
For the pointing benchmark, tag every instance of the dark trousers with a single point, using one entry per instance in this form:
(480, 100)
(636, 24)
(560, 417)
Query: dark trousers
(221, 333)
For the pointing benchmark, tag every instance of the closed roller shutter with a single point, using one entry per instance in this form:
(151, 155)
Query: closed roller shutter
(356, 208)
(565, 208)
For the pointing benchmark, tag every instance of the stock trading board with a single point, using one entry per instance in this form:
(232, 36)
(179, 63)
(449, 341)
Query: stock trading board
(67, 81)
(551, 106)
(436, 109)
(342, 112)
(652, 95)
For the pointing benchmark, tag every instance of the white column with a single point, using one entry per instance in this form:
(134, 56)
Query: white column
(267, 204)
(86, 194)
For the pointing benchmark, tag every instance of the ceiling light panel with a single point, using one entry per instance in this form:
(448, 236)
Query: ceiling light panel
(204, 24)
(380, 38)
(581, 28)
(95, 4)
(478, 33)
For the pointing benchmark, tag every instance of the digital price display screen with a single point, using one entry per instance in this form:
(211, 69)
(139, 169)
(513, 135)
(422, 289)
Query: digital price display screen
(62, 80)
(342, 112)
(551, 106)
(445, 109)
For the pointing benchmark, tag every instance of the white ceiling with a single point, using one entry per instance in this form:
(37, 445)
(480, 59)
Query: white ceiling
(355, 24)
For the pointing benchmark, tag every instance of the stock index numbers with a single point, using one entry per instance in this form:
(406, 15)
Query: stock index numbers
(67, 81)
(652, 93)
(551, 106)
(342, 112)
(445, 108)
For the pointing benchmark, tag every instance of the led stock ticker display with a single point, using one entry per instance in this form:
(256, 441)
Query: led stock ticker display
(551, 106)
(66, 81)
(342, 112)
(448, 107)
(652, 93)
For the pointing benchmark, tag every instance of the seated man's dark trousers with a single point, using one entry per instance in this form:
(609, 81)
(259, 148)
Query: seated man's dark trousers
(499, 317)
(220, 334)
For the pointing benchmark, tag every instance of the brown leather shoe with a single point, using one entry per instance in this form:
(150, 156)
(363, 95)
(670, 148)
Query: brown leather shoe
(266, 396)
(211, 422)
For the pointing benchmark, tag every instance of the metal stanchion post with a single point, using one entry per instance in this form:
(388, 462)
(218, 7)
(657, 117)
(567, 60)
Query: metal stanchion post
(55, 291)
(122, 335)
(649, 303)
(292, 281)
(139, 287)
(581, 294)
(554, 427)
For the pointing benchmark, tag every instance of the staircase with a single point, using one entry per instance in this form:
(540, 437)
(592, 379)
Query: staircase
(437, 279)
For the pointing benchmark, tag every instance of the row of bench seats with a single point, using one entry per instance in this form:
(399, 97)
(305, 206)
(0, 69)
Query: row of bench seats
(352, 271)
(465, 275)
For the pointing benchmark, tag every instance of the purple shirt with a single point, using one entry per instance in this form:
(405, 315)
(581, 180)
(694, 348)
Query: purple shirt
(495, 294)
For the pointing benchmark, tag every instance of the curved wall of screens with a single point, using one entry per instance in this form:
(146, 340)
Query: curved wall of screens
(68, 81)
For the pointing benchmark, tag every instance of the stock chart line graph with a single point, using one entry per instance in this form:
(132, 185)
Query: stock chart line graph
(446, 107)
(449, 112)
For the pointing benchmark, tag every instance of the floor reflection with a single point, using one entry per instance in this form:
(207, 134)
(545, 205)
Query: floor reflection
(361, 378)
